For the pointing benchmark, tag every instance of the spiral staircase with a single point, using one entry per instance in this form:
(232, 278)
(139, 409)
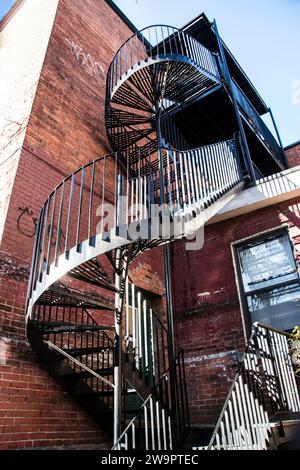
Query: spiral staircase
(86, 319)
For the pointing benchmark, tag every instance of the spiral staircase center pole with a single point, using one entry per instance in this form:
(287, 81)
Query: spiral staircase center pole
(118, 352)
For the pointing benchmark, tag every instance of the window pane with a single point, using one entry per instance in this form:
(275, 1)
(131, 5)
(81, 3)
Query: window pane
(279, 307)
(266, 263)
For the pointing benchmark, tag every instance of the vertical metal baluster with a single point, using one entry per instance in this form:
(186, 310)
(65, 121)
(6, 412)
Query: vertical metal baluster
(103, 193)
(199, 176)
(223, 437)
(121, 63)
(169, 178)
(140, 338)
(255, 412)
(195, 175)
(241, 410)
(69, 215)
(157, 42)
(91, 202)
(229, 431)
(174, 156)
(153, 447)
(237, 420)
(209, 178)
(191, 173)
(158, 426)
(170, 42)
(80, 209)
(182, 182)
(232, 424)
(137, 48)
(248, 414)
(146, 427)
(226, 176)
(133, 435)
(163, 40)
(58, 229)
(218, 153)
(152, 341)
(127, 316)
(187, 177)
(134, 329)
(227, 155)
(205, 174)
(223, 168)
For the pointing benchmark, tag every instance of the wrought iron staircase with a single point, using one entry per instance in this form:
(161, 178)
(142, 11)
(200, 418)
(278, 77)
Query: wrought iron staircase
(84, 316)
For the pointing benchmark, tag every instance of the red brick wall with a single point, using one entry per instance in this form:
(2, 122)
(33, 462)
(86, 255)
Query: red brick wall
(209, 324)
(66, 129)
(293, 155)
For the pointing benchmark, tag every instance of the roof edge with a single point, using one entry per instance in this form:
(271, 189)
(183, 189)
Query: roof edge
(122, 15)
(11, 12)
(294, 144)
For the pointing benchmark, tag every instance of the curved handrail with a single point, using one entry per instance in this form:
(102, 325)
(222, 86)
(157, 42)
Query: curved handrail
(168, 41)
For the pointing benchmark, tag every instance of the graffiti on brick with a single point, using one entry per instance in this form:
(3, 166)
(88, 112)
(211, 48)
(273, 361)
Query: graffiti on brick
(27, 226)
(26, 223)
(91, 66)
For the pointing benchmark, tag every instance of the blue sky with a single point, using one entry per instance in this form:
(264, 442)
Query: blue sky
(5, 6)
(264, 35)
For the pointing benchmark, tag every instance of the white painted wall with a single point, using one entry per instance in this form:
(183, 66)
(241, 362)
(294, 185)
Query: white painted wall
(23, 45)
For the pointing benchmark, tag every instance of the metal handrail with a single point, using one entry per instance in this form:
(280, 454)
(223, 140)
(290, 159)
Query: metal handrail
(264, 385)
(168, 41)
(258, 124)
(78, 363)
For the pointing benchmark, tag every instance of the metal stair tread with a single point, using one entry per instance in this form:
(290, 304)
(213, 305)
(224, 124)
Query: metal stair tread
(87, 350)
(84, 374)
(61, 327)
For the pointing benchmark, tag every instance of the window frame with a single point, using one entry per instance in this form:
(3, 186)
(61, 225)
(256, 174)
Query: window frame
(243, 295)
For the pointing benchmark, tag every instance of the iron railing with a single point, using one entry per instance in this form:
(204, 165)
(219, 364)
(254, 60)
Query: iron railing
(151, 428)
(258, 125)
(146, 338)
(159, 41)
(76, 210)
(264, 385)
(73, 330)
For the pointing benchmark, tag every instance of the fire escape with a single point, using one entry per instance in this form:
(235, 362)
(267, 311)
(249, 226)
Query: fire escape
(99, 333)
